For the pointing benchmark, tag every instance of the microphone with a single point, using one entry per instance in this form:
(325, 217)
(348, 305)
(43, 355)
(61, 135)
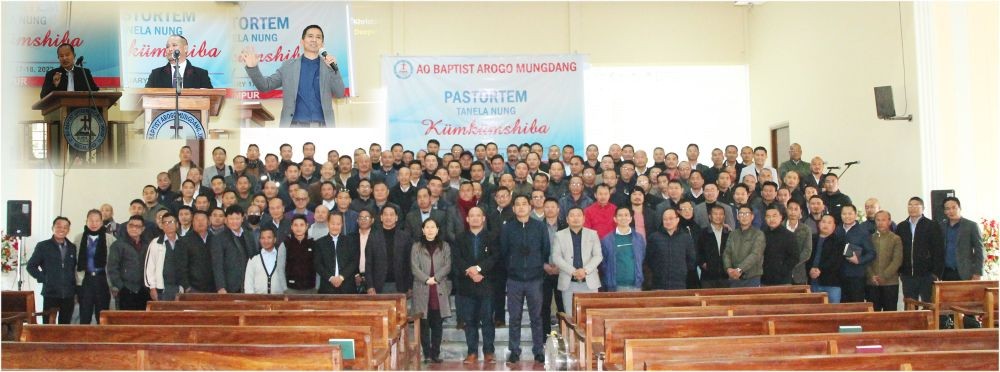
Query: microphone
(853, 162)
(79, 61)
(333, 65)
(831, 168)
(177, 54)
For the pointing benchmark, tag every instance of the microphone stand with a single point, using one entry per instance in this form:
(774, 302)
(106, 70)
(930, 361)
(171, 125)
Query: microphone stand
(93, 105)
(20, 257)
(178, 81)
(846, 167)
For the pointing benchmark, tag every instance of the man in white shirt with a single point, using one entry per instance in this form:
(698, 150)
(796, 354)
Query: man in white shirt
(266, 271)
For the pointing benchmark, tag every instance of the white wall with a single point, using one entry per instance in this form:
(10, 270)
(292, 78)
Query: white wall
(814, 65)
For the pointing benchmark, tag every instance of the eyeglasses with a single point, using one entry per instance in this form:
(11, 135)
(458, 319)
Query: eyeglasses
(364, 218)
(744, 214)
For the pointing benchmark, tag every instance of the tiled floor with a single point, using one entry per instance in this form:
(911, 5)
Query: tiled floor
(457, 365)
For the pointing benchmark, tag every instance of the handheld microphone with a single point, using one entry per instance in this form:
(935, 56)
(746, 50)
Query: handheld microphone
(79, 61)
(853, 162)
(333, 65)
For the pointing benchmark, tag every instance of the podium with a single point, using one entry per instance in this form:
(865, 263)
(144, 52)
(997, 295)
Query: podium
(75, 128)
(254, 113)
(197, 106)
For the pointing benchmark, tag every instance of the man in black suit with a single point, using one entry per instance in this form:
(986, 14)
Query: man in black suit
(423, 211)
(231, 249)
(371, 250)
(53, 265)
(923, 251)
(473, 260)
(67, 76)
(195, 256)
(336, 258)
(711, 246)
(194, 77)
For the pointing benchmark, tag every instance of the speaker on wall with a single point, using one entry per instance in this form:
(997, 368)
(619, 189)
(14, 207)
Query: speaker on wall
(19, 217)
(937, 203)
(885, 107)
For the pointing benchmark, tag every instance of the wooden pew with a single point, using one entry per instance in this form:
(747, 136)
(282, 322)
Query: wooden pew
(992, 310)
(969, 294)
(595, 330)
(366, 356)
(696, 292)
(616, 331)
(24, 302)
(400, 299)
(638, 351)
(377, 319)
(978, 360)
(160, 356)
(987, 311)
(12, 324)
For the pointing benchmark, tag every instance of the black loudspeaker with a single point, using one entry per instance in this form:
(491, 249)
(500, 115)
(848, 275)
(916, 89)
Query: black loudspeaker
(19, 217)
(937, 203)
(884, 105)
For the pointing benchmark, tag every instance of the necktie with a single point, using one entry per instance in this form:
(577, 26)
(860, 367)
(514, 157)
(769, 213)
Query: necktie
(70, 84)
(173, 79)
(336, 260)
(475, 247)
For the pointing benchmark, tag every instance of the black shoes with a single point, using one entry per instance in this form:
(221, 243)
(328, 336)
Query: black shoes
(540, 358)
(513, 358)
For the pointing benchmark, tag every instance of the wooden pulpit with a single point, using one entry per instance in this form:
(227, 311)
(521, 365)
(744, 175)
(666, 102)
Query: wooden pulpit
(78, 124)
(254, 113)
(196, 107)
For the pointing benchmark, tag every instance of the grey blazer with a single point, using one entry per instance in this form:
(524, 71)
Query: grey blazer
(969, 252)
(562, 257)
(287, 78)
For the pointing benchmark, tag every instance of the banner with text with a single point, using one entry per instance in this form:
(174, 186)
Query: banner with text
(144, 33)
(471, 100)
(274, 30)
(34, 30)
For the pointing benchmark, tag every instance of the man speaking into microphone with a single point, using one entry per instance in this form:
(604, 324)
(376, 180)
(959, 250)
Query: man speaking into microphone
(309, 82)
(177, 53)
(67, 76)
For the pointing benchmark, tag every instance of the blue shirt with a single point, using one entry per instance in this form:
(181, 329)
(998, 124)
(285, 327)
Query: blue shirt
(307, 99)
(91, 252)
(951, 247)
(819, 251)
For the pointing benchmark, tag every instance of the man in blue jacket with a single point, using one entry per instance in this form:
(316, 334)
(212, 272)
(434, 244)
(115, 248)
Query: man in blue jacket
(53, 265)
(624, 251)
(860, 255)
(524, 243)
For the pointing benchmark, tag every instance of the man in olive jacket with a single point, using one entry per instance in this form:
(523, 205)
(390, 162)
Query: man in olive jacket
(744, 255)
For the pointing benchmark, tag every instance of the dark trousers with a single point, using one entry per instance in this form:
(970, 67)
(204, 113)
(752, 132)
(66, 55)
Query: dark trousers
(65, 306)
(477, 313)
(883, 297)
(853, 289)
(95, 296)
(128, 300)
(430, 333)
(917, 287)
(549, 291)
(518, 293)
(715, 283)
(499, 294)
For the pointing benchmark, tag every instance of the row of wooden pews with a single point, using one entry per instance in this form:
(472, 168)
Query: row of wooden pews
(231, 331)
(766, 328)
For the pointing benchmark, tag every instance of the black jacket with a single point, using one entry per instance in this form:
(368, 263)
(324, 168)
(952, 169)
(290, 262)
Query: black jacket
(462, 259)
(80, 81)
(229, 262)
(924, 253)
(525, 247)
(399, 257)
(56, 274)
(668, 258)
(194, 77)
(376, 260)
(831, 259)
(710, 255)
(195, 262)
(346, 259)
(780, 256)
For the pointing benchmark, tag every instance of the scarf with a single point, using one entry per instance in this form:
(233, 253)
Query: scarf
(463, 209)
(100, 254)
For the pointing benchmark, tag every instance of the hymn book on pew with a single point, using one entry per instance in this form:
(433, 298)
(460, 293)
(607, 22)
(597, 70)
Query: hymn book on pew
(346, 347)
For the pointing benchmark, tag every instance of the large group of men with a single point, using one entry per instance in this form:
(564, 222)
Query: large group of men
(529, 226)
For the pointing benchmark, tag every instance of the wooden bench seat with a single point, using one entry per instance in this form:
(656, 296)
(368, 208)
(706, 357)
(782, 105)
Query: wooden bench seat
(933, 360)
(968, 294)
(367, 357)
(24, 302)
(638, 351)
(616, 331)
(159, 356)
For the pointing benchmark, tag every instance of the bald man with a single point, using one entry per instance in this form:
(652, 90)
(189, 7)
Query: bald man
(194, 77)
